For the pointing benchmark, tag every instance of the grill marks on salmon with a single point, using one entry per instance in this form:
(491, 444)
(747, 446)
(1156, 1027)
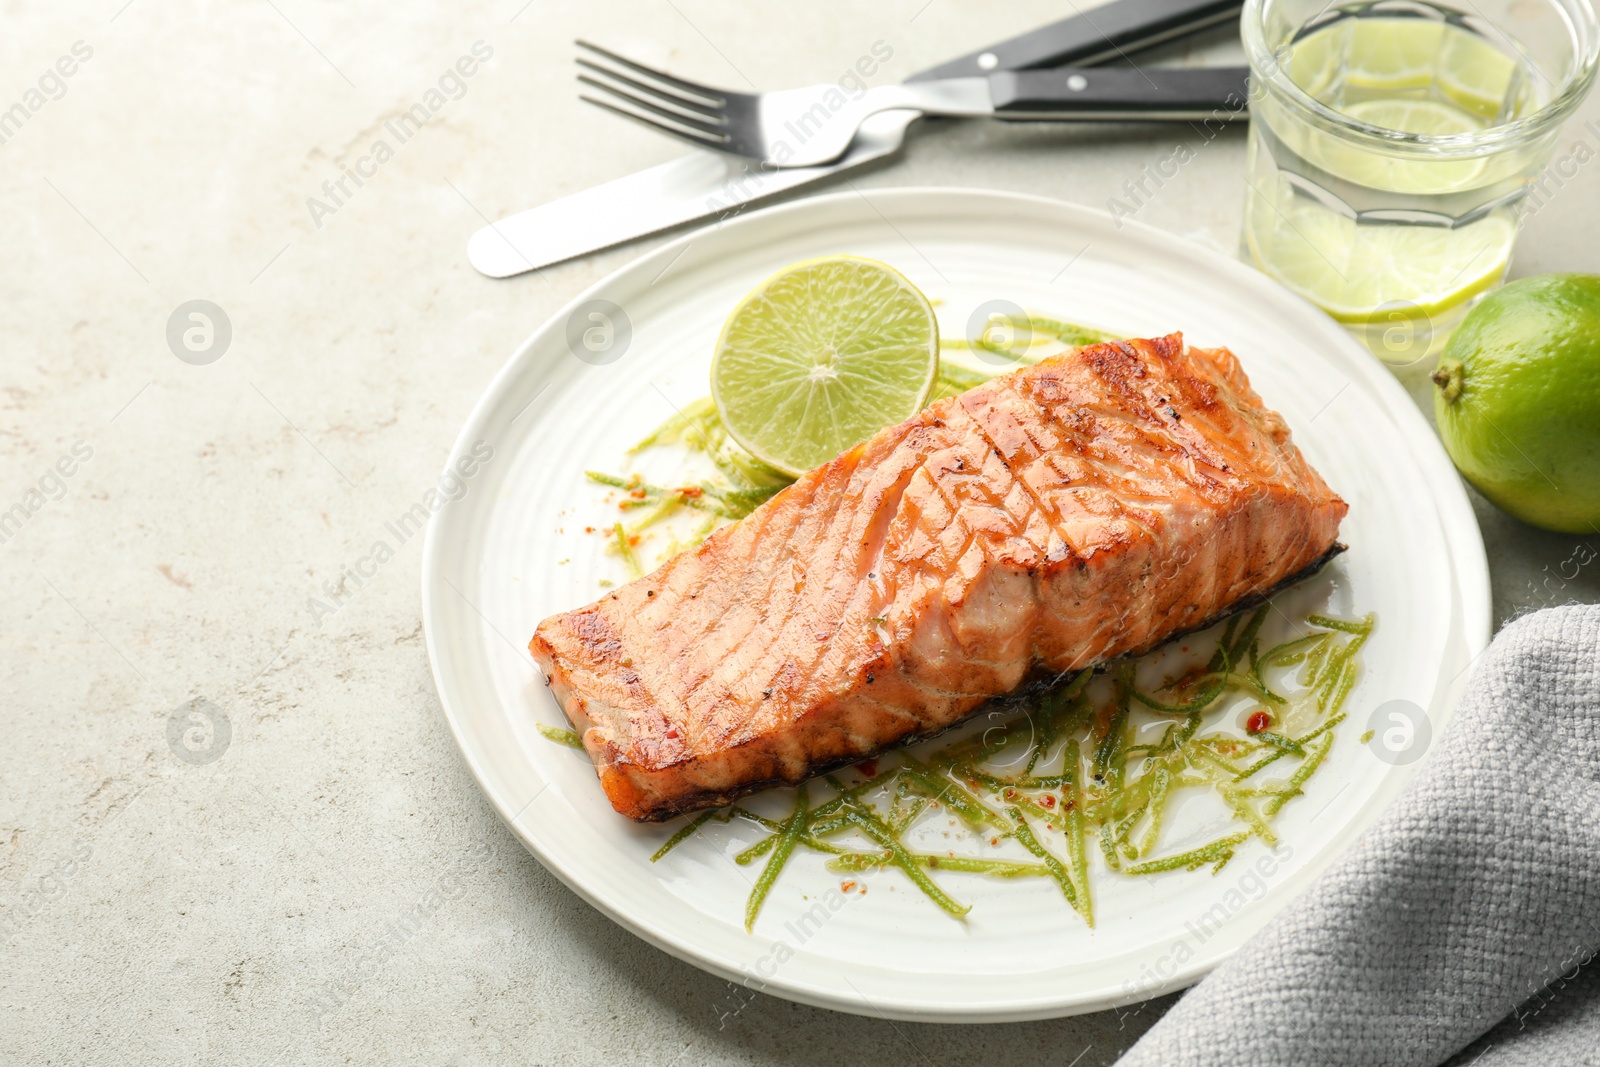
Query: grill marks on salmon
(1086, 508)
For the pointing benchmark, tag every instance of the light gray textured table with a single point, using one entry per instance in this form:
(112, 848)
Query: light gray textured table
(333, 888)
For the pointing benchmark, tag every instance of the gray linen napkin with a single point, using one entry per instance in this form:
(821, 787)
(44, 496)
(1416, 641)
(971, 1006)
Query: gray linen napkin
(1464, 917)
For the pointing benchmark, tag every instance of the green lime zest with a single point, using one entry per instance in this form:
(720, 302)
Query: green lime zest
(569, 738)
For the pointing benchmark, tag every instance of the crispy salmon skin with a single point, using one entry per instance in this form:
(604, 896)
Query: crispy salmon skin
(1085, 508)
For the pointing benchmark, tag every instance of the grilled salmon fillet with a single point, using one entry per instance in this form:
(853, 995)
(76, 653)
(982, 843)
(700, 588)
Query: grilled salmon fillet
(1085, 508)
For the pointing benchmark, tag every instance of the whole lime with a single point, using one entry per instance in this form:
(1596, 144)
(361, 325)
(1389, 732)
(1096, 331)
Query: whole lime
(1518, 400)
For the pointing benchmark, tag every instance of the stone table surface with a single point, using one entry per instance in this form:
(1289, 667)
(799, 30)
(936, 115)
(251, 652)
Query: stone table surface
(333, 888)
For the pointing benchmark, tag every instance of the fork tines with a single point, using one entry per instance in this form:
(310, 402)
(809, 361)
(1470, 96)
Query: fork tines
(669, 105)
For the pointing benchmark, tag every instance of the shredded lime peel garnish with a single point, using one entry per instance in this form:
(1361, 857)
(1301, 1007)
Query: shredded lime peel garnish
(1081, 776)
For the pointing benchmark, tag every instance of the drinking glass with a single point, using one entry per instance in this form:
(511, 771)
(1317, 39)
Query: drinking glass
(1393, 147)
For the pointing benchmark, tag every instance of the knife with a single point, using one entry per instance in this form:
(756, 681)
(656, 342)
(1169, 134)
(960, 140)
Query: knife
(712, 185)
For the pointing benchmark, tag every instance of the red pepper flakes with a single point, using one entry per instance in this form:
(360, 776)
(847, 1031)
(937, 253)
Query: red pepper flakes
(1047, 801)
(847, 886)
(691, 491)
(868, 767)
(1258, 722)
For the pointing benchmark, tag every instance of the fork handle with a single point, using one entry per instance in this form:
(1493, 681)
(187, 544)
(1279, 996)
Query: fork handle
(1121, 94)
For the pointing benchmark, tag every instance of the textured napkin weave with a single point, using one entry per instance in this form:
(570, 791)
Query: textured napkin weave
(1465, 917)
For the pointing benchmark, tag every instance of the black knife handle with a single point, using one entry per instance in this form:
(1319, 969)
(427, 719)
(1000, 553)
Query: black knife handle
(1121, 94)
(1100, 34)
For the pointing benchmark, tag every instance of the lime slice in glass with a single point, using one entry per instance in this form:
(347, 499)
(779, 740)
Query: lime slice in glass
(1412, 116)
(1379, 169)
(1358, 273)
(822, 355)
(1392, 53)
(1479, 78)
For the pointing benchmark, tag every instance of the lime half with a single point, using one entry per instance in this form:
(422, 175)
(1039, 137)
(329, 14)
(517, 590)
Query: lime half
(822, 355)
(1357, 273)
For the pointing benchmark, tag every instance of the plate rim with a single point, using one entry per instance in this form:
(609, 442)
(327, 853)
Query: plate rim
(1463, 538)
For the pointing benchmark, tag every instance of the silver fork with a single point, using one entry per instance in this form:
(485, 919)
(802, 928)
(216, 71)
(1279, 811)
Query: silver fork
(815, 125)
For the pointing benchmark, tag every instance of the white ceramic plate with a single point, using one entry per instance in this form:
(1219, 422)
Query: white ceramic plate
(511, 550)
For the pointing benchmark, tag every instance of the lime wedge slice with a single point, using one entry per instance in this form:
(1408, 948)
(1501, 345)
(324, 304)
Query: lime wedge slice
(1359, 273)
(822, 355)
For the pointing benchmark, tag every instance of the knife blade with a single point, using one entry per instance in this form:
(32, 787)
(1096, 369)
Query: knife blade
(697, 186)
(708, 185)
